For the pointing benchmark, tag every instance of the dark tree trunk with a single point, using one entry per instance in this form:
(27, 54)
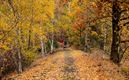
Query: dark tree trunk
(29, 39)
(31, 28)
(115, 33)
(101, 43)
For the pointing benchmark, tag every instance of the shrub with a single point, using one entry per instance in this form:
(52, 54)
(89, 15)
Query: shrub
(7, 63)
(29, 57)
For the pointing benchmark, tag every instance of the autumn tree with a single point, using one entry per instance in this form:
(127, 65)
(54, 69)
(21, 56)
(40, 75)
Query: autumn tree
(119, 19)
(117, 12)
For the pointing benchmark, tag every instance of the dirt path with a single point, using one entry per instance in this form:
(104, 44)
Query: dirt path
(70, 70)
(71, 65)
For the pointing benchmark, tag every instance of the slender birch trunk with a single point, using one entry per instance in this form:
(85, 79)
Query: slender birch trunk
(19, 61)
(42, 46)
(105, 38)
(41, 41)
(52, 43)
(30, 28)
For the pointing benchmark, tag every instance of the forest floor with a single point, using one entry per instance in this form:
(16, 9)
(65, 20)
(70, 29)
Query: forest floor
(71, 65)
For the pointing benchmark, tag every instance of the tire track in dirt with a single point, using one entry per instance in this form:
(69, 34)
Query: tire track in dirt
(70, 70)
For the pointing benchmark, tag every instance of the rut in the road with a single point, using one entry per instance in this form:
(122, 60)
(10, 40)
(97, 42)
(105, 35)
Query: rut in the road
(69, 68)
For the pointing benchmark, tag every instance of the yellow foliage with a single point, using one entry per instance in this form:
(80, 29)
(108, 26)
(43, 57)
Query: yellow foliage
(5, 47)
(93, 33)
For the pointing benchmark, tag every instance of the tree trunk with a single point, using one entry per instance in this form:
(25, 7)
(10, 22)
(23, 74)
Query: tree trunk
(31, 28)
(29, 38)
(41, 41)
(19, 62)
(45, 49)
(105, 38)
(115, 33)
(86, 43)
(52, 43)
(18, 46)
(42, 46)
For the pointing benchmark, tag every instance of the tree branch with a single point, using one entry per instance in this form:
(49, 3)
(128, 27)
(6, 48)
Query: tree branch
(124, 1)
(12, 7)
(125, 23)
(98, 18)
(124, 18)
(123, 52)
(13, 26)
(125, 49)
(124, 41)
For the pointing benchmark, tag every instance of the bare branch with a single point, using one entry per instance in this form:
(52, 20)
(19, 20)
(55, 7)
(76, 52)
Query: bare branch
(125, 23)
(124, 41)
(124, 18)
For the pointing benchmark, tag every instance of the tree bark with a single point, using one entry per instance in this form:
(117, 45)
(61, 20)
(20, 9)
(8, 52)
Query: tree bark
(16, 15)
(86, 43)
(29, 38)
(115, 55)
(41, 41)
(31, 28)
(19, 60)
(42, 46)
(52, 43)
(105, 38)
